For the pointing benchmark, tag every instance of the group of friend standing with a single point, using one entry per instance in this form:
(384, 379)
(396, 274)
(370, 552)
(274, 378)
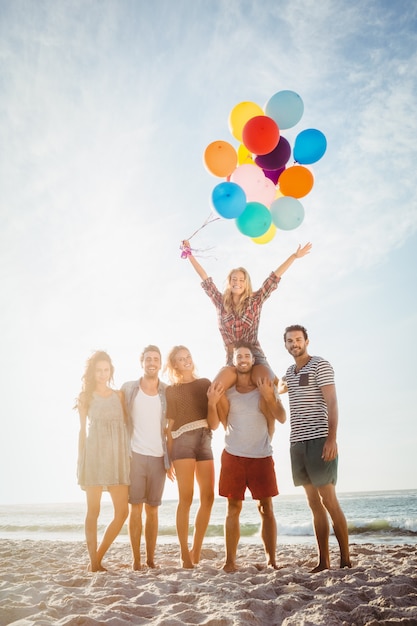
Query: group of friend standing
(131, 440)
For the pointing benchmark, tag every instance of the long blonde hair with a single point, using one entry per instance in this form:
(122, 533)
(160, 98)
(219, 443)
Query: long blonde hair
(228, 297)
(171, 367)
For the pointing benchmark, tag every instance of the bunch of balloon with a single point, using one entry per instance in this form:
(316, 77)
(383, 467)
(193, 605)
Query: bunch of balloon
(261, 192)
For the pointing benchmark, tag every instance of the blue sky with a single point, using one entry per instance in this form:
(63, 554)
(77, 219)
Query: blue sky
(106, 109)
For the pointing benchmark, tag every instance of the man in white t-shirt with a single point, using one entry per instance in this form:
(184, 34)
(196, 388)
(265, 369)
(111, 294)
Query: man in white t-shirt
(146, 408)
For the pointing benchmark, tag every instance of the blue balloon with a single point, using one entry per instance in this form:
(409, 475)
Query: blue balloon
(309, 147)
(286, 108)
(255, 220)
(228, 199)
(287, 213)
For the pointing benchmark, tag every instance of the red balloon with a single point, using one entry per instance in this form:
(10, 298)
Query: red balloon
(260, 134)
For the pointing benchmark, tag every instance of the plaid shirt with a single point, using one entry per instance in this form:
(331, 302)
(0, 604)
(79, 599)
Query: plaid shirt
(243, 327)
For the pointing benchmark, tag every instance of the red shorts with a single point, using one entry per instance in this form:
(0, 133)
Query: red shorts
(239, 472)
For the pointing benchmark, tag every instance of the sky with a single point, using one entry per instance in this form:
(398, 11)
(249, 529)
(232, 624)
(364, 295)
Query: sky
(106, 108)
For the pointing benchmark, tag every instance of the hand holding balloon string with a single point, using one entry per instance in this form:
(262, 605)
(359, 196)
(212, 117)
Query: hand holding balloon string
(185, 247)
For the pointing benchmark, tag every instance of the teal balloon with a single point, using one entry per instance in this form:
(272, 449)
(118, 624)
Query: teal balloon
(255, 220)
(309, 146)
(286, 108)
(228, 199)
(287, 213)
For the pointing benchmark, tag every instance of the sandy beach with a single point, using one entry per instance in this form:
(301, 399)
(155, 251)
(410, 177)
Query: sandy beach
(44, 583)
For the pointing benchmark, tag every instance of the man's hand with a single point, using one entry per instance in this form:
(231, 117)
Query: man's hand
(214, 393)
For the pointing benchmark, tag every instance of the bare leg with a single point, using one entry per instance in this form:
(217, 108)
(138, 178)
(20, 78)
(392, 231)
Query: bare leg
(268, 530)
(135, 533)
(232, 534)
(258, 372)
(321, 527)
(227, 377)
(205, 480)
(93, 511)
(184, 471)
(151, 533)
(330, 501)
(119, 496)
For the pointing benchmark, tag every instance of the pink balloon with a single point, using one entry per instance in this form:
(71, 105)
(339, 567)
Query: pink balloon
(257, 187)
(263, 192)
(247, 176)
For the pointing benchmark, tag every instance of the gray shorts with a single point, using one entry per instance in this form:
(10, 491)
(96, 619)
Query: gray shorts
(193, 444)
(308, 468)
(147, 479)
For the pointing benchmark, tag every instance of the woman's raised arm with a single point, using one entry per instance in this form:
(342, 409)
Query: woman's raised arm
(298, 254)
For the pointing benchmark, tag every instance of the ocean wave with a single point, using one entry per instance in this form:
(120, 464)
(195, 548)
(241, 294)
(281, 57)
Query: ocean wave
(374, 527)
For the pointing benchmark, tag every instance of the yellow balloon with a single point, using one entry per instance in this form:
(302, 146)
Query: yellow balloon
(244, 156)
(278, 193)
(240, 114)
(268, 236)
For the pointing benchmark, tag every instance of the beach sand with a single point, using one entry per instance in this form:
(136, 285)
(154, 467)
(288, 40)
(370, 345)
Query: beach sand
(44, 583)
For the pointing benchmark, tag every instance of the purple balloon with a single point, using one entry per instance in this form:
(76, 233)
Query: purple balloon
(274, 174)
(277, 158)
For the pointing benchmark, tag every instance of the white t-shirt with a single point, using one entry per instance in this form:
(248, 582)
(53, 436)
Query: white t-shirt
(247, 429)
(146, 416)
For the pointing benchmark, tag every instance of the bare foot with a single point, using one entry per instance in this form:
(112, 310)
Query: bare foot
(96, 567)
(194, 559)
(186, 564)
(229, 568)
(151, 564)
(319, 568)
(345, 563)
(137, 566)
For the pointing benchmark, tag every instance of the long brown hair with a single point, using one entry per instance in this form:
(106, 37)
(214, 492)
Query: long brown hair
(171, 367)
(228, 297)
(89, 380)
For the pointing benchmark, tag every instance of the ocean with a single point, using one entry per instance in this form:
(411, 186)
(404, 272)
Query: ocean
(376, 517)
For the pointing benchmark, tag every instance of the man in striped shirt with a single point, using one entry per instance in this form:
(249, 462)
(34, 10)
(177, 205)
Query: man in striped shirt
(314, 456)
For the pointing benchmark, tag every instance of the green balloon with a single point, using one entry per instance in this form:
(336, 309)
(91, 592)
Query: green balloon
(255, 220)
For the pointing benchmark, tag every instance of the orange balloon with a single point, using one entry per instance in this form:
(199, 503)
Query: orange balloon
(220, 158)
(296, 181)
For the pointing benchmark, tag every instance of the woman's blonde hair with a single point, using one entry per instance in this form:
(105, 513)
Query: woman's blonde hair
(171, 367)
(227, 296)
(89, 378)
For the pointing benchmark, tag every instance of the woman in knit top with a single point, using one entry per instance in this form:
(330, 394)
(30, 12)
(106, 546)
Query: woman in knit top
(189, 447)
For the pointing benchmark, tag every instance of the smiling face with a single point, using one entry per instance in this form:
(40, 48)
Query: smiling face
(102, 373)
(237, 283)
(183, 361)
(243, 360)
(295, 343)
(151, 364)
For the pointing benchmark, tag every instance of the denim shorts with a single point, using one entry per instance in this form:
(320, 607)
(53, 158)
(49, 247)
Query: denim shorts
(193, 444)
(308, 468)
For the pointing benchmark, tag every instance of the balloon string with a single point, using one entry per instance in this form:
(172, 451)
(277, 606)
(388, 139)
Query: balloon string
(211, 218)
